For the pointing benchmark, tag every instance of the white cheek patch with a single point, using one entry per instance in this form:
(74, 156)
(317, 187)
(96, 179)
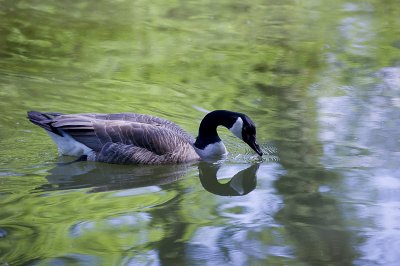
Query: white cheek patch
(236, 129)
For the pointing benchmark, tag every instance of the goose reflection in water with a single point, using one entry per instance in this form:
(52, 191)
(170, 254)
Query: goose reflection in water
(240, 184)
(106, 177)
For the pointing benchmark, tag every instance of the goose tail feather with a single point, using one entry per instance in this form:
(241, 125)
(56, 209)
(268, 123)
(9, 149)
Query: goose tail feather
(44, 120)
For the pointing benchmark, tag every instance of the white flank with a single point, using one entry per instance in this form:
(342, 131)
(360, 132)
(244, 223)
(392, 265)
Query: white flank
(213, 150)
(68, 146)
(236, 129)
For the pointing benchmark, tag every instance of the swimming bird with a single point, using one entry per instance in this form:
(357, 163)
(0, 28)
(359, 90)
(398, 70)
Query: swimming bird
(129, 138)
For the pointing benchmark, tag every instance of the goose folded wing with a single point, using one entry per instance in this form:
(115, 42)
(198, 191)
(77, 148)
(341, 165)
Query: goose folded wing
(145, 119)
(80, 128)
(96, 133)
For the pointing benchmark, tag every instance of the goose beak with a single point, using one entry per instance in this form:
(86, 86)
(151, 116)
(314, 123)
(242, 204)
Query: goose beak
(253, 144)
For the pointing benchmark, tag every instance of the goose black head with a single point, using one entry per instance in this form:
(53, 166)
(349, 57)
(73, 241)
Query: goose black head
(245, 129)
(208, 143)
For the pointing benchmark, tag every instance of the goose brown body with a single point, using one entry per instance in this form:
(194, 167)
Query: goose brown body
(118, 138)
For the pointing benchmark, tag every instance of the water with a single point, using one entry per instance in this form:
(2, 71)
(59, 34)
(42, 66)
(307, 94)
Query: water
(320, 80)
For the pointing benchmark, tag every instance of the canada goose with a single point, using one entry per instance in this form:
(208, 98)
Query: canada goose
(142, 139)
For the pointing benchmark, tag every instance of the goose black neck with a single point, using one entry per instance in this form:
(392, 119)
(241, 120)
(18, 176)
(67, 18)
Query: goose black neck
(208, 126)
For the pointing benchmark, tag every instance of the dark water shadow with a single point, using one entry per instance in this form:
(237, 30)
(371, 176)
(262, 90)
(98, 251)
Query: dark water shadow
(240, 184)
(105, 177)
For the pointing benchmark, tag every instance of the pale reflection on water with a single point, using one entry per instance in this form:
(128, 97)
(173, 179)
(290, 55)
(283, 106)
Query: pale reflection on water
(363, 146)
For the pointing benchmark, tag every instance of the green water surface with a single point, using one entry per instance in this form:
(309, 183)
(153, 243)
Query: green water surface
(320, 79)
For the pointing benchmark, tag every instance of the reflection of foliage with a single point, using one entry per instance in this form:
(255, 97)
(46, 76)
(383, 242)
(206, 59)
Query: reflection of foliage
(220, 51)
(72, 222)
(315, 224)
